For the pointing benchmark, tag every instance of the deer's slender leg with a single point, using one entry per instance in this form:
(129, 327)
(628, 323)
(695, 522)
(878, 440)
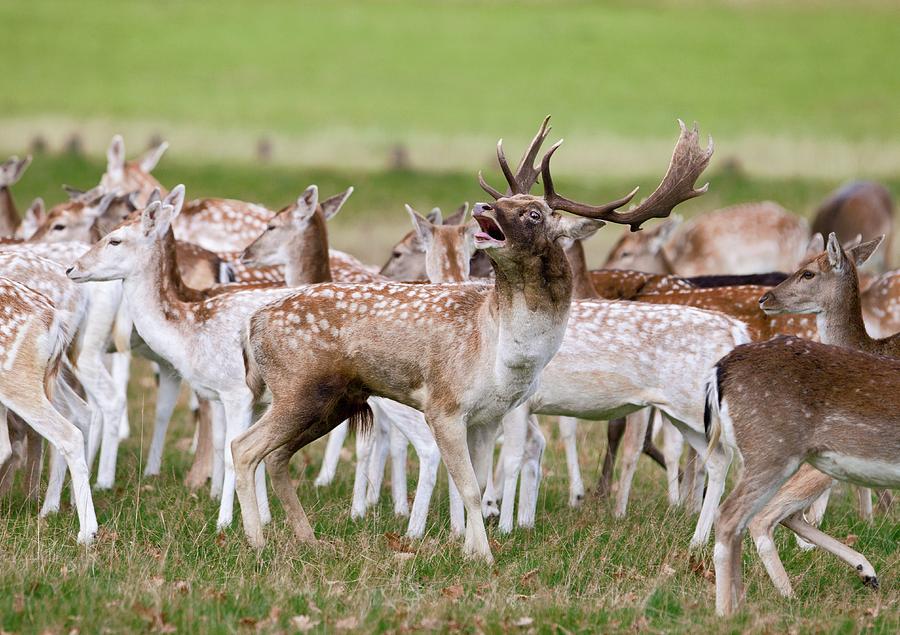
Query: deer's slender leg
(6, 452)
(450, 433)
(856, 560)
(379, 455)
(238, 411)
(166, 397)
(398, 444)
(332, 455)
(864, 501)
(568, 428)
(672, 446)
(201, 468)
(614, 431)
(457, 509)
(635, 432)
(217, 481)
(531, 473)
(365, 442)
(33, 462)
(515, 431)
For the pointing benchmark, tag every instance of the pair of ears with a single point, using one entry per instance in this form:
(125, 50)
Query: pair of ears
(423, 226)
(839, 256)
(12, 170)
(115, 157)
(306, 204)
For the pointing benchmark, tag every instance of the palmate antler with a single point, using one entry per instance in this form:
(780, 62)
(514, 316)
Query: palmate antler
(688, 162)
(526, 173)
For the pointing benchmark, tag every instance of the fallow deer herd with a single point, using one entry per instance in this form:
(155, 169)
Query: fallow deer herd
(474, 326)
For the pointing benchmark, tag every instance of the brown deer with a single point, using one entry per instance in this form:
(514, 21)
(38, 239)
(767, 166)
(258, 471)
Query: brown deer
(786, 402)
(11, 171)
(860, 208)
(463, 356)
(827, 287)
(742, 239)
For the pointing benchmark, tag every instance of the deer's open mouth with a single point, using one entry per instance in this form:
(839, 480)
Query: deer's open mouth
(490, 235)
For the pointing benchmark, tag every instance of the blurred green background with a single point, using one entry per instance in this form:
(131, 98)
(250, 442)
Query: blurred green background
(413, 95)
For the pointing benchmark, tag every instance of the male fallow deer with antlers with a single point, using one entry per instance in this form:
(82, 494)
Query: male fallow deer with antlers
(463, 356)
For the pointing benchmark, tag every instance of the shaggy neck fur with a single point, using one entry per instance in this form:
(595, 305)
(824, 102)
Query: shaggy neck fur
(308, 259)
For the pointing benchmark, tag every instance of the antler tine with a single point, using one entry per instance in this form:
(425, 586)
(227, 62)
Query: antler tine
(526, 173)
(556, 201)
(487, 188)
(688, 162)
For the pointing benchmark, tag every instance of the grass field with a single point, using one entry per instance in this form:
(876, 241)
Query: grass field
(159, 566)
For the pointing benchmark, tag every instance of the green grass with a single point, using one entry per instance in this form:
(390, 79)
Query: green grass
(158, 564)
(451, 77)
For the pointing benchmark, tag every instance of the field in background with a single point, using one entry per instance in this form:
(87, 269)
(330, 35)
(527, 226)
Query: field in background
(374, 218)
(160, 567)
(804, 88)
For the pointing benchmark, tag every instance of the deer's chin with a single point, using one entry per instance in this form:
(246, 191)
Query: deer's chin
(484, 241)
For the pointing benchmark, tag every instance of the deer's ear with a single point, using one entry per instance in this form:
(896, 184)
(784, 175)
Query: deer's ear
(306, 205)
(424, 227)
(175, 199)
(577, 227)
(332, 205)
(102, 205)
(835, 252)
(156, 219)
(815, 246)
(459, 216)
(435, 216)
(152, 157)
(863, 251)
(115, 158)
(154, 196)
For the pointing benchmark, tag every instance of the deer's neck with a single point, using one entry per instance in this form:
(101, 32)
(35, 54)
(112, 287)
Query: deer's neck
(9, 217)
(308, 258)
(531, 303)
(841, 324)
(582, 286)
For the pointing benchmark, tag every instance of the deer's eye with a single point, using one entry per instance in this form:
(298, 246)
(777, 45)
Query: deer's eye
(270, 228)
(535, 215)
(115, 242)
(807, 275)
(58, 227)
(396, 254)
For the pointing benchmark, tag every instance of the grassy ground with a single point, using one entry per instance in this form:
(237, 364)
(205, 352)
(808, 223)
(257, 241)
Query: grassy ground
(159, 566)
(348, 80)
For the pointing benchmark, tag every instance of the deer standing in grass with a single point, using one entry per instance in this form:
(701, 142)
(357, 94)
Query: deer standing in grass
(32, 341)
(199, 336)
(786, 402)
(828, 287)
(463, 356)
(11, 171)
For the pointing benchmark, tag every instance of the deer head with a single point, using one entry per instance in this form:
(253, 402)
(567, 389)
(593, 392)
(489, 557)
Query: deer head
(643, 251)
(448, 248)
(12, 170)
(132, 175)
(407, 260)
(131, 247)
(519, 223)
(823, 282)
(75, 219)
(294, 226)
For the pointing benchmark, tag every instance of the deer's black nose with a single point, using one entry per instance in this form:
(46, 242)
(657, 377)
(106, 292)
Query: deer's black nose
(766, 297)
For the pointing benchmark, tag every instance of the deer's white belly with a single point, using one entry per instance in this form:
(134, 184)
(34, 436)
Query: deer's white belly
(860, 470)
